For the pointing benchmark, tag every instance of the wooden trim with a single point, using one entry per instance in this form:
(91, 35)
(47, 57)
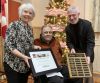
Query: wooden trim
(96, 73)
(20, 1)
(13, 10)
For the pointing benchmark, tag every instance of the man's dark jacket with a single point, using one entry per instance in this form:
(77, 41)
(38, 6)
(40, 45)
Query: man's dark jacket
(81, 37)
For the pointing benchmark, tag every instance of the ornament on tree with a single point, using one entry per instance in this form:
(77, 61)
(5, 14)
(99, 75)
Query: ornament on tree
(58, 9)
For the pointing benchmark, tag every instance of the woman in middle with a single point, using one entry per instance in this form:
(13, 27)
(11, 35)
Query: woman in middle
(46, 41)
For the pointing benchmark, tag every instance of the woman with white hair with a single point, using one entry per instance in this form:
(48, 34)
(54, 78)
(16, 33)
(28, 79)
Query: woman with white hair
(19, 38)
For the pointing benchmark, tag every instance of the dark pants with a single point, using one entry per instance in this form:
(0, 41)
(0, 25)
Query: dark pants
(15, 77)
(67, 79)
(90, 79)
(75, 80)
(41, 79)
(44, 79)
(55, 79)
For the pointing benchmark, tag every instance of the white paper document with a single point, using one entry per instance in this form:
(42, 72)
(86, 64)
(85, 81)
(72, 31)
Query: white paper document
(54, 74)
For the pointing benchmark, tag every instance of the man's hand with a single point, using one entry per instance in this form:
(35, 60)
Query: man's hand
(73, 50)
(88, 59)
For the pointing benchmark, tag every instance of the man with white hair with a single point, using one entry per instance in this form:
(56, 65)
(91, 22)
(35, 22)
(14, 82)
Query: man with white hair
(80, 37)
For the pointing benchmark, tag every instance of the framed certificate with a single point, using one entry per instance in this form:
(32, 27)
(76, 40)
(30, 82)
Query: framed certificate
(42, 62)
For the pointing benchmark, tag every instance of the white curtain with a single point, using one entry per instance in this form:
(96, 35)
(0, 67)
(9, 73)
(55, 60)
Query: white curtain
(96, 17)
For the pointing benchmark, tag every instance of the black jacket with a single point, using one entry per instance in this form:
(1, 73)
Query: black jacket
(81, 37)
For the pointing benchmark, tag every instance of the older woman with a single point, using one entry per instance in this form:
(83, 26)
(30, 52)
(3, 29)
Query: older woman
(19, 38)
(45, 41)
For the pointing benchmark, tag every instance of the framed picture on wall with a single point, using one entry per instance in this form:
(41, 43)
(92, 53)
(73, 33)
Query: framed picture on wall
(42, 62)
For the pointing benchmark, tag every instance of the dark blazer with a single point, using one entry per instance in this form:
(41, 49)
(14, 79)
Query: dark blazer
(83, 40)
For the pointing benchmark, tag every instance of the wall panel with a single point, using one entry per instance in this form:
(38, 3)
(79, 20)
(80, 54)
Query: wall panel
(97, 53)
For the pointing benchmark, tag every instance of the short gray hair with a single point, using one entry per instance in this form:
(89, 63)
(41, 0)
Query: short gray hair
(73, 9)
(45, 26)
(26, 6)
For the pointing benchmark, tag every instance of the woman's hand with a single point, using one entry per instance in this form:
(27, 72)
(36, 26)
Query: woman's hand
(22, 56)
(37, 47)
(26, 58)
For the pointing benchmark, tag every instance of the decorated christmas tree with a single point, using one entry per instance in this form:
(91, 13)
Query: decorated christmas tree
(56, 16)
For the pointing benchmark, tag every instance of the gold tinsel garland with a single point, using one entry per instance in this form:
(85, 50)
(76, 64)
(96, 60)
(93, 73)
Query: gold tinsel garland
(56, 16)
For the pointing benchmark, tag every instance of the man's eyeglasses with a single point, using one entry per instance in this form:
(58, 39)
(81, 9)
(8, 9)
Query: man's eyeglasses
(46, 32)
